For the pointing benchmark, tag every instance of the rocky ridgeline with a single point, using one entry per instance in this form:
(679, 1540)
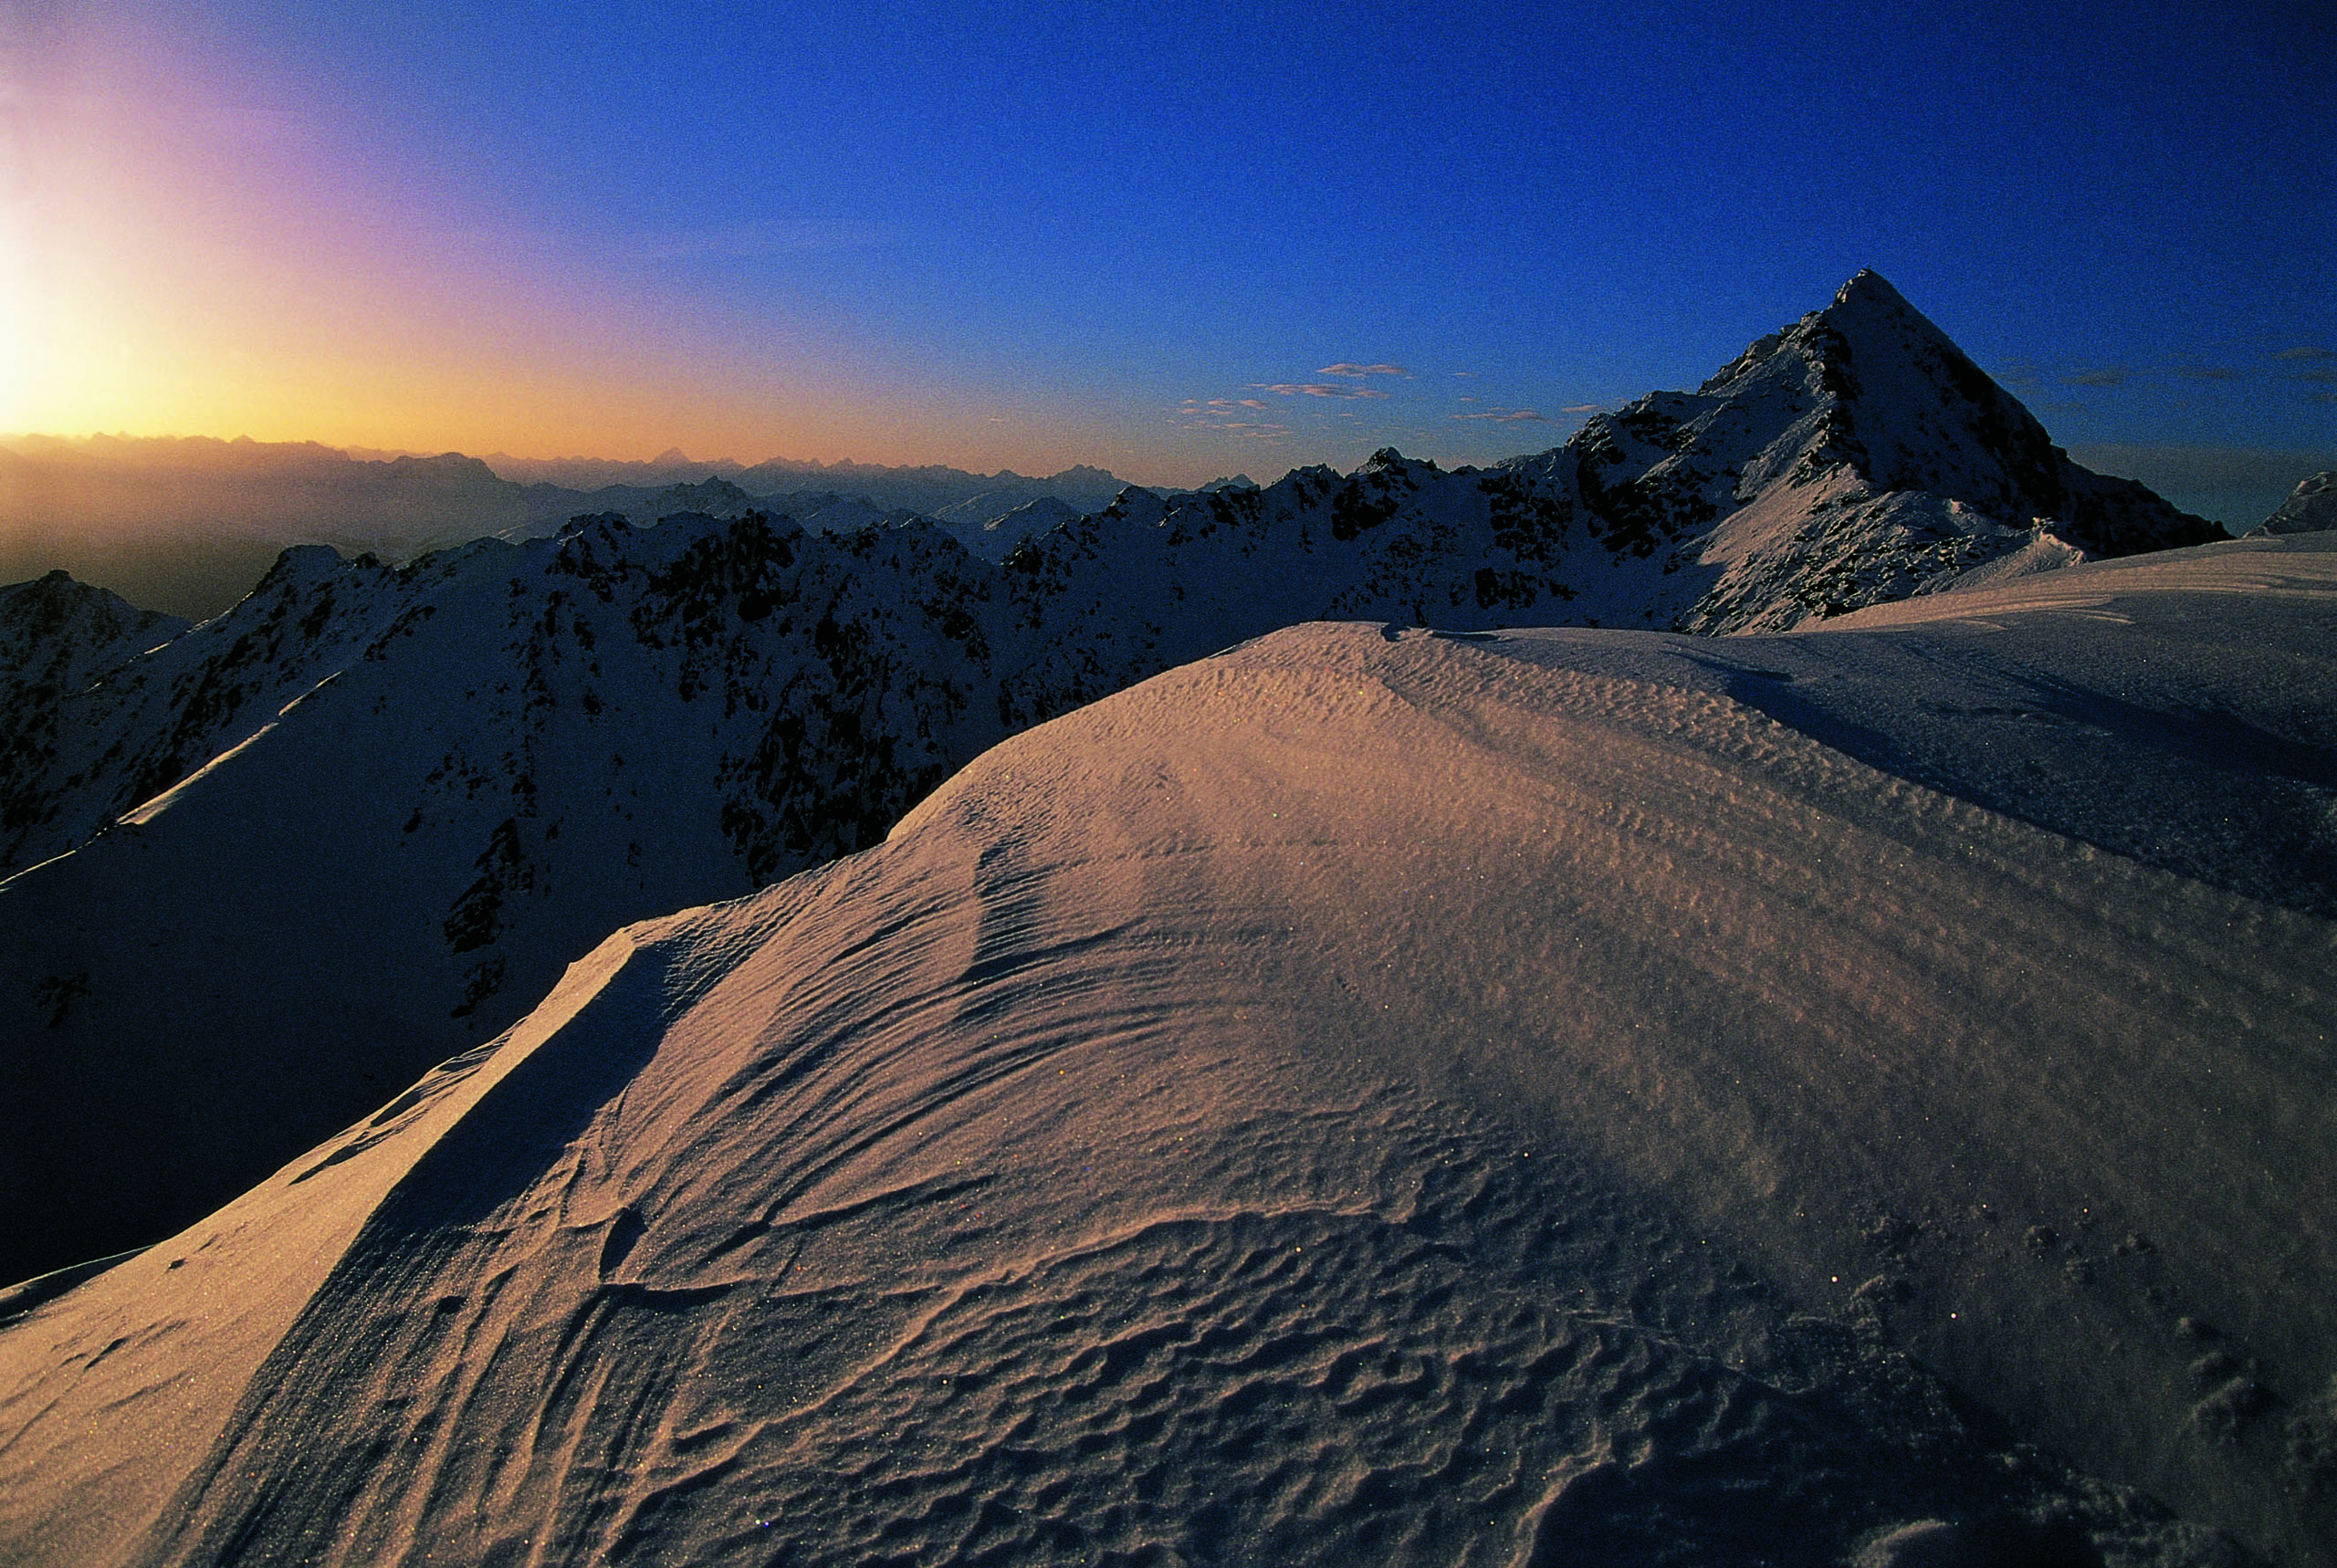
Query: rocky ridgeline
(457, 775)
(58, 638)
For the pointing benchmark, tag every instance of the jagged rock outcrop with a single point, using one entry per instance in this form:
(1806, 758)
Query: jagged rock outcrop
(993, 526)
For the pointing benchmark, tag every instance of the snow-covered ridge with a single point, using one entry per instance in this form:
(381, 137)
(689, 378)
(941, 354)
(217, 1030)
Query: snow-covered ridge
(525, 746)
(1377, 1095)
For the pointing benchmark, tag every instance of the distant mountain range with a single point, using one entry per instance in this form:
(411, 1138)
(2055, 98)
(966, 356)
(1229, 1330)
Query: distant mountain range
(922, 488)
(298, 853)
(186, 525)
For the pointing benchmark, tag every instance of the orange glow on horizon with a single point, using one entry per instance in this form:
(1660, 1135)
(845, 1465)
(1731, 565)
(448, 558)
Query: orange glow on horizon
(178, 263)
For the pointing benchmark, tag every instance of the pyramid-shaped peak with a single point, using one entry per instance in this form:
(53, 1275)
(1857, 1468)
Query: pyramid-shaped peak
(1866, 315)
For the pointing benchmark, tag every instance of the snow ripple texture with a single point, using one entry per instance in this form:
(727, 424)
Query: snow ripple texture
(1368, 1098)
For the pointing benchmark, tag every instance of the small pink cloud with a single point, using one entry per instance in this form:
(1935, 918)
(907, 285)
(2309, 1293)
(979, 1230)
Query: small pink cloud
(1344, 369)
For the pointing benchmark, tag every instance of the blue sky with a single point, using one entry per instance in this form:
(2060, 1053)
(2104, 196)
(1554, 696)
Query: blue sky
(1035, 235)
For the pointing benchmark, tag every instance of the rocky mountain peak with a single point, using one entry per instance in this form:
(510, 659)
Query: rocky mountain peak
(1867, 399)
(1387, 460)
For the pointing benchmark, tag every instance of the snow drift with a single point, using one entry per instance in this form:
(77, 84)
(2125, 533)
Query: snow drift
(1372, 1095)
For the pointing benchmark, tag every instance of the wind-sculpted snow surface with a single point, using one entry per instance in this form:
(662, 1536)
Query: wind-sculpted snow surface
(363, 820)
(1373, 1096)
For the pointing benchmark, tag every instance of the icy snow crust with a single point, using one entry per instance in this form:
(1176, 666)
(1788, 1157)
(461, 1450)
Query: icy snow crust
(1371, 1097)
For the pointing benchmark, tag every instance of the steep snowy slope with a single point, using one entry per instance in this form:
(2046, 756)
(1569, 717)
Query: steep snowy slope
(57, 637)
(501, 753)
(428, 790)
(993, 527)
(166, 708)
(1372, 1096)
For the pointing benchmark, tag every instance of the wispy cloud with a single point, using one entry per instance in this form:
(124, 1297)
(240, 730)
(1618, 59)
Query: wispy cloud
(2325, 373)
(746, 241)
(2028, 378)
(1344, 369)
(1505, 416)
(1315, 389)
(1583, 408)
(1215, 417)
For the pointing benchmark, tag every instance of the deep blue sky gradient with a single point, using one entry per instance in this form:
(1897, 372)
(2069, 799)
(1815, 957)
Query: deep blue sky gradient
(1054, 227)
